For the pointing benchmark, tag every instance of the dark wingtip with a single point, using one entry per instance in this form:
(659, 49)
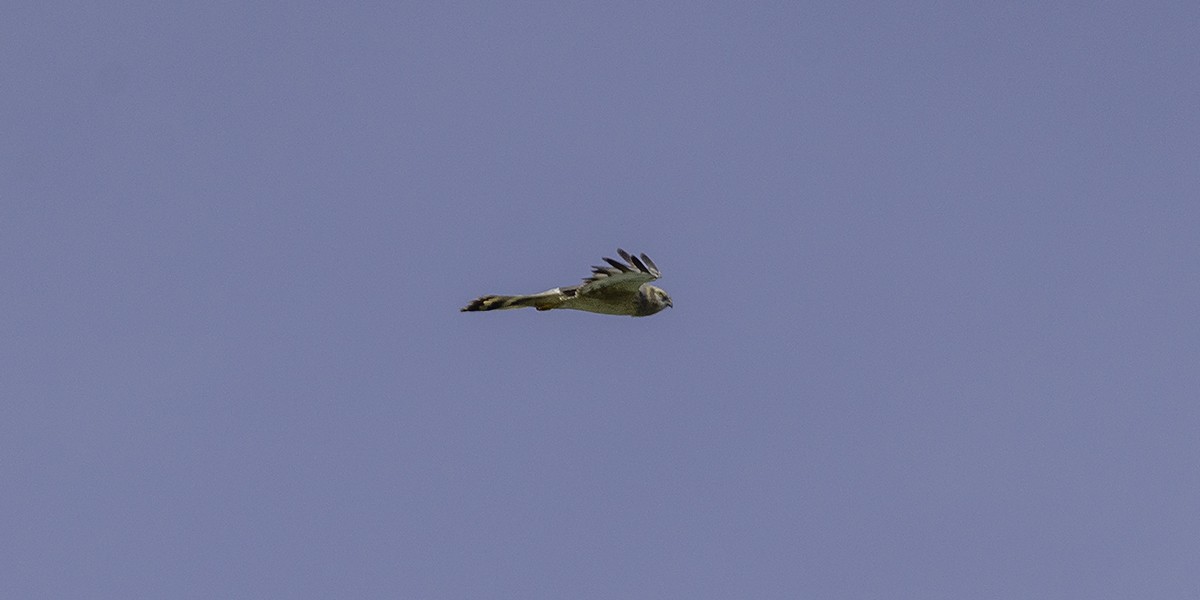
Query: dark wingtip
(650, 263)
(475, 305)
(637, 262)
(616, 263)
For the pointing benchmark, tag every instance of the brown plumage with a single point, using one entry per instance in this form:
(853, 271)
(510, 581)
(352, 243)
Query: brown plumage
(618, 289)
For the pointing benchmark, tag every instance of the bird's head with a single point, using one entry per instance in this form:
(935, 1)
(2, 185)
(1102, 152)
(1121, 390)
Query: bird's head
(655, 299)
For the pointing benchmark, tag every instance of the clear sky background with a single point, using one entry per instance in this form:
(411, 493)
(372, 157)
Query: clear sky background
(936, 272)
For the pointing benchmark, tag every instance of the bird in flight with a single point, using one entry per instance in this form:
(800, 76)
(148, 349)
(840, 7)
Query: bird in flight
(618, 289)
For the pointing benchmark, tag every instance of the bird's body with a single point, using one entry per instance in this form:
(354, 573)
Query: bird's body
(619, 289)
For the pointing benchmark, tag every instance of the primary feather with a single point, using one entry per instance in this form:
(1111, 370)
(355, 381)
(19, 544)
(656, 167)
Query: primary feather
(622, 288)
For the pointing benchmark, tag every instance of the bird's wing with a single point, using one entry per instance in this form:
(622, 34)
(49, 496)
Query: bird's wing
(621, 277)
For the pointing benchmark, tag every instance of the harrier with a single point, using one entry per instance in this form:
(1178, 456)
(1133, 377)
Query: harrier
(619, 289)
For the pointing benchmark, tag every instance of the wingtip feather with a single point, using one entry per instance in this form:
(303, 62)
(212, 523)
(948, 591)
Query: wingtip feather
(637, 262)
(616, 263)
(650, 263)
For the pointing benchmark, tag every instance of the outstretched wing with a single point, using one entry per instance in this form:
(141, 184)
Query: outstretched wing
(621, 277)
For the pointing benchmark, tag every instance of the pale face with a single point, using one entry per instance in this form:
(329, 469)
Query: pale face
(659, 297)
(663, 297)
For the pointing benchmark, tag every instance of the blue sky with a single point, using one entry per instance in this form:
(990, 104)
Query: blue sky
(934, 269)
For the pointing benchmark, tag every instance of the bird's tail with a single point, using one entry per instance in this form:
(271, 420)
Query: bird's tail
(543, 301)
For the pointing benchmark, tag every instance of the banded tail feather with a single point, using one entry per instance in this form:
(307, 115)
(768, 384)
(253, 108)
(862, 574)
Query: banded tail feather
(543, 301)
